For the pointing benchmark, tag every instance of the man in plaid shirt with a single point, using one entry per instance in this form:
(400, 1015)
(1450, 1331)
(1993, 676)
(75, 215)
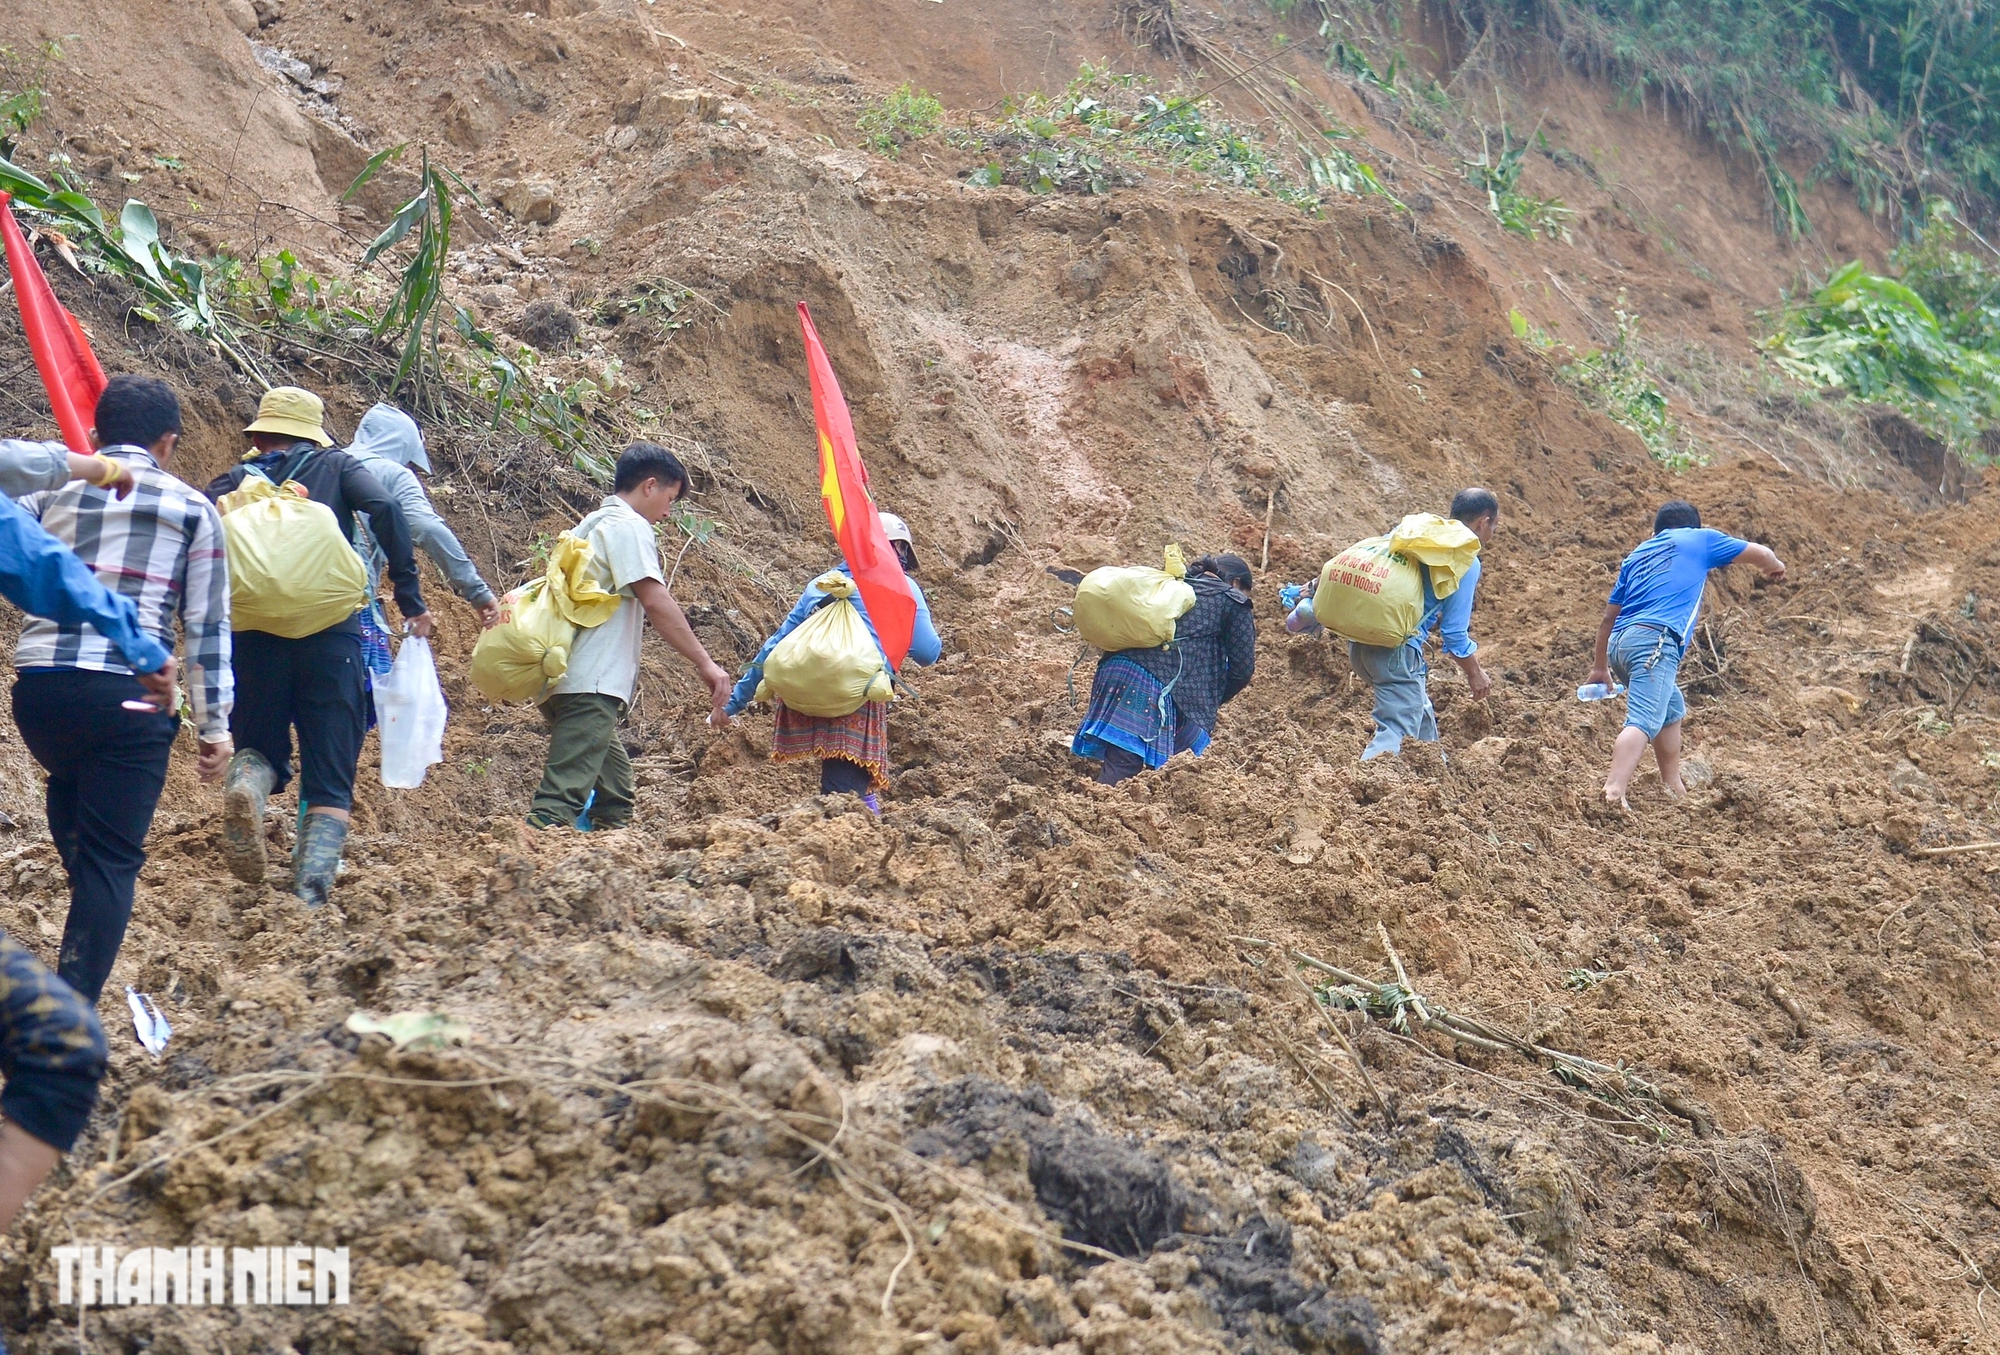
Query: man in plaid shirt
(81, 711)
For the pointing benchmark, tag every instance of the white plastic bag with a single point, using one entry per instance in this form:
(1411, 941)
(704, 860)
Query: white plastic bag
(409, 707)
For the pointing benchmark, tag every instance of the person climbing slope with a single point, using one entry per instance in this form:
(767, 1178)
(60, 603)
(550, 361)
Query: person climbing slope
(1647, 621)
(390, 447)
(315, 681)
(100, 728)
(853, 750)
(587, 765)
(1398, 673)
(52, 1056)
(1148, 704)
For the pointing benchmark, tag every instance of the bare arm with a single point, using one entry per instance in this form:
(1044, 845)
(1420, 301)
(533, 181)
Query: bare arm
(672, 624)
(24, 1161)
(1600, 663)
(1764, 560)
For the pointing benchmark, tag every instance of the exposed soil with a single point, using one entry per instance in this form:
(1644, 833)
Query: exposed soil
(1021, 1065)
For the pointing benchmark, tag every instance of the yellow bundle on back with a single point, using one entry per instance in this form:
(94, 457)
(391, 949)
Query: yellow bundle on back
(518, 659)
(291, 572)
(1373, 592)
(528, 651)
(830, 665)
(1131, 606)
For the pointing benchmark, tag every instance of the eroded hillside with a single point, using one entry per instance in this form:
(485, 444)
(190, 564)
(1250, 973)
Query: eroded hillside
(1031, 1063)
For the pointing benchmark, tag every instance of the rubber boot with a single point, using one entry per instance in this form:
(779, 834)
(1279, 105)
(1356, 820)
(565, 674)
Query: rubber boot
(245, 788)
(316, 861)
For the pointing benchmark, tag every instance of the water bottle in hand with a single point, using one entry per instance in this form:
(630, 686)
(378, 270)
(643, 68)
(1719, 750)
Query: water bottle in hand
(1599, 691)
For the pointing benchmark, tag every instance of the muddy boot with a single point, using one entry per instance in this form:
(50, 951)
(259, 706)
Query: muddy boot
(245, 788)
(316, 859)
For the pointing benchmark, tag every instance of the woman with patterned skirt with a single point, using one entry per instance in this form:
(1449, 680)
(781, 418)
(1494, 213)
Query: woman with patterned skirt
(1148, 704)
(853, 750)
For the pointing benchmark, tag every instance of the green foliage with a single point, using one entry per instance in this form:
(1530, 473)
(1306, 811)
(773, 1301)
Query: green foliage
(1106, 127)
(1514, 210)
(1617, 381)
(1891, 95)
(657, 301)
(908, 115)
(170, 285)
(1927, 343)
(22, 92)
(415, 312)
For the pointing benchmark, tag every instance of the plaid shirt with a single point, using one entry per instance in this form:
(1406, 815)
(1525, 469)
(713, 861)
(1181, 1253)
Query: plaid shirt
(1212, 655)
(162, 547)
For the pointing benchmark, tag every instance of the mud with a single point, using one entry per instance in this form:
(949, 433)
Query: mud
(1020, 1066)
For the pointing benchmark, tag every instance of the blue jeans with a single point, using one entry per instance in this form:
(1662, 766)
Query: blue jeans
(1647, 660)
(1402, 696)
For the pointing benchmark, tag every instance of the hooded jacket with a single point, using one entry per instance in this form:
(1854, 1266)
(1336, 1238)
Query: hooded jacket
(388, 444)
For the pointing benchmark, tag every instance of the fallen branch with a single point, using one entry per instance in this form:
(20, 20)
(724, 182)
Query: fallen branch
(1954, 851)
(1403, 1009)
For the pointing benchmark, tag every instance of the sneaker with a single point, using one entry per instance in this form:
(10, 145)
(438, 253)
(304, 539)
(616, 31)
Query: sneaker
(542, 823)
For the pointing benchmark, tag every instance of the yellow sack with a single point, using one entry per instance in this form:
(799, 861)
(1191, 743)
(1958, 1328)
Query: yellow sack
(830, 665)
(1373, 592)
(1132, 607)
(518, 659)
(1445, 546)
(291, 572)
(573, 584)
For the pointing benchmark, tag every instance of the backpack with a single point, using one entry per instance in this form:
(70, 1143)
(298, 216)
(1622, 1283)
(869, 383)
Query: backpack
(1373, 592)
(527, 651)
(291, 572)
(830, 665)
(1133, 607)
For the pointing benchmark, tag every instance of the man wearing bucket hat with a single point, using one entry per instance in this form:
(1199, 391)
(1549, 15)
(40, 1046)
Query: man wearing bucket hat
(314, 684)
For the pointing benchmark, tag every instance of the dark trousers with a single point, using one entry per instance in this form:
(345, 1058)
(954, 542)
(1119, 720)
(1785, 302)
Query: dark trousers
(1119, 764)
(106, 766)
(839, 776)
(585, 759)
(315, 685)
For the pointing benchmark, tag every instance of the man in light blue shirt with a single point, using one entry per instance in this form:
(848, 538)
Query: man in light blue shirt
(1650, 615)
(389, 444)
(1398, 673)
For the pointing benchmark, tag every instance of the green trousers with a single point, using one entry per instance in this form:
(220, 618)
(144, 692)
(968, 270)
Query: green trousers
(584, 756)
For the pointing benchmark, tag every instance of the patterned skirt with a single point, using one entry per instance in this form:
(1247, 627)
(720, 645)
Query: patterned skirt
(1130, 709)
(861, 738)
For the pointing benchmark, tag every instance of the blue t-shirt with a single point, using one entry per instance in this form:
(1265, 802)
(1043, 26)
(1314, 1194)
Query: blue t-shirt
(1660, 583)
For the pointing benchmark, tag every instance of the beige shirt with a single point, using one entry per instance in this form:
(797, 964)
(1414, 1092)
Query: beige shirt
(623, 551)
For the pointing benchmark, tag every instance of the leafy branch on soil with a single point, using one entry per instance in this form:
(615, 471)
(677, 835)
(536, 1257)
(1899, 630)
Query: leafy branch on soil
(909, 114)
(1618, 381)
(1926, 342)
(1400, 1007)
(1519, 212)
(1105, 127)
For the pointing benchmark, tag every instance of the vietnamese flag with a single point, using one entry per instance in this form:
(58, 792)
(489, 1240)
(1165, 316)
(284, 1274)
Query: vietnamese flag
(850, 510)
(69, 369)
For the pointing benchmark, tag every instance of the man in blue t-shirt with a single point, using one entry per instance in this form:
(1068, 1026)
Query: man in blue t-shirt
(1647, 622)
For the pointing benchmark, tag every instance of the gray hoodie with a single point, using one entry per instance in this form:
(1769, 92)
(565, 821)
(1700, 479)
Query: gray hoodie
(388, 444)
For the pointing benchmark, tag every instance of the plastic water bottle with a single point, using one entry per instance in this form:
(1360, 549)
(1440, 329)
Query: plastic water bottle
(1598, 691)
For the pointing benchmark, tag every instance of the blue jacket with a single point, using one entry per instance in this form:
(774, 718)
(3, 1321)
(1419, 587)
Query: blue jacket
(925, 647)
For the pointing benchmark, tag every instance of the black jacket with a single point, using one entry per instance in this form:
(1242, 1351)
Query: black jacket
(343, 484)
(1213, 654)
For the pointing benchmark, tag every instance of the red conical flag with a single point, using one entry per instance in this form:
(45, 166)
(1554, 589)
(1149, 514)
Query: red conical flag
(850, 510)
(69, 369)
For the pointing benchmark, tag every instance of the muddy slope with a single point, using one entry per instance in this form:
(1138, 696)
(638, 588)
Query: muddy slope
(1024, 1064)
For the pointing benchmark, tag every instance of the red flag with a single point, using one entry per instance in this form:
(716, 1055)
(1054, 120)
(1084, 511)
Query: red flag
(69, 369)
(850, 510)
